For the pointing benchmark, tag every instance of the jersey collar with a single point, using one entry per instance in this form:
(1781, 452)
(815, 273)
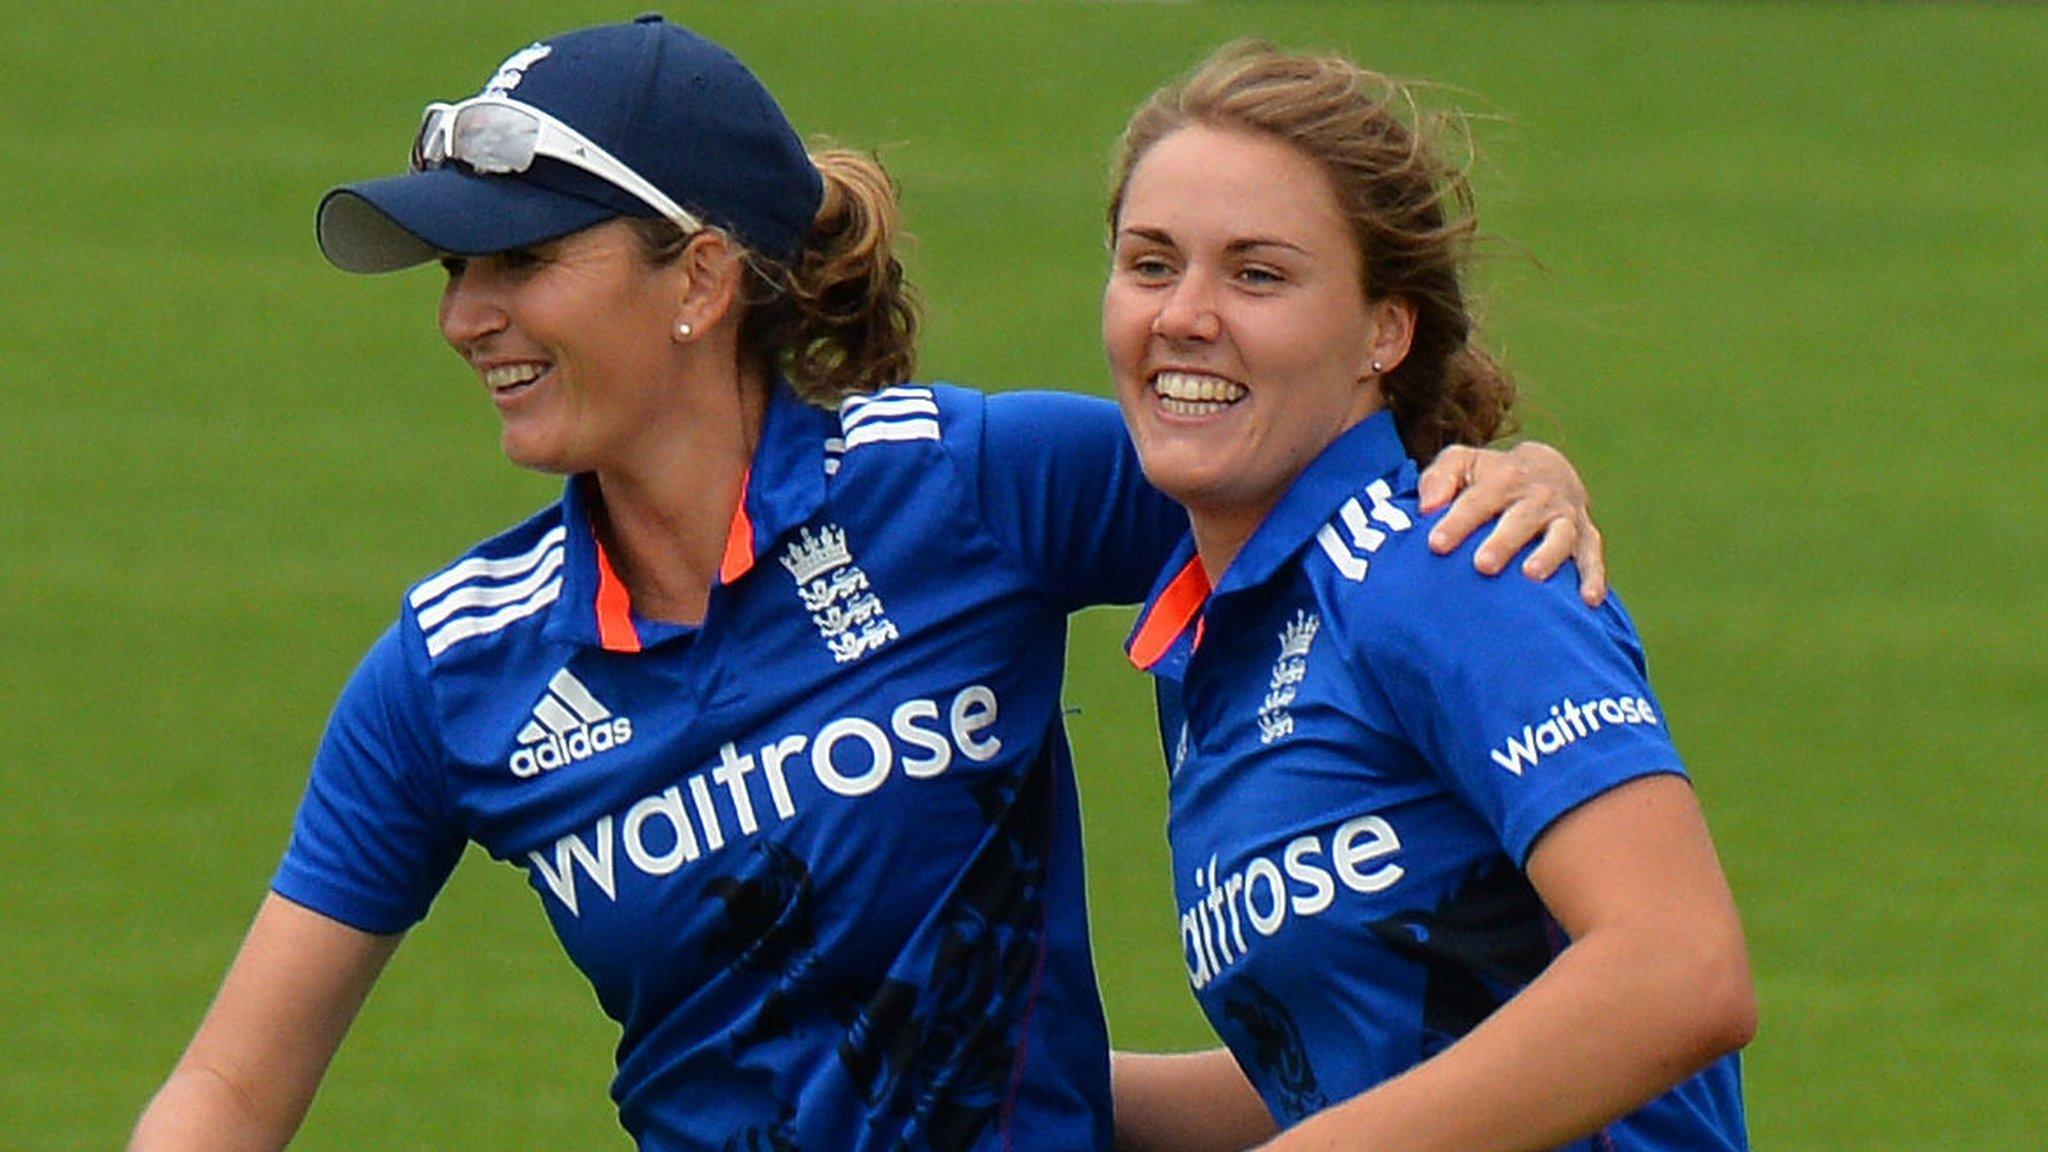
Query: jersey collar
(1163, 638)
(1365, 452)
(1177, 600)
(784, 488)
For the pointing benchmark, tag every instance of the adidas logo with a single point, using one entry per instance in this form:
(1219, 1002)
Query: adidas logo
(568, 726)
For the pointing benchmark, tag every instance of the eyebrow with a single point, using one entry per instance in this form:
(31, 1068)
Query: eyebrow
(1243, 244)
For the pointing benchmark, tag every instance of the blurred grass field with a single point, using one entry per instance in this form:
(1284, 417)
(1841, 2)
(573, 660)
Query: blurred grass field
(1772, 274)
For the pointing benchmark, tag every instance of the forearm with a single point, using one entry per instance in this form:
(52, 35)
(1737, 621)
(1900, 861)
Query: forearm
(1654, 987)
(1598, 1035)
(199, 1109)
(249, 1075)
(1186, 1102)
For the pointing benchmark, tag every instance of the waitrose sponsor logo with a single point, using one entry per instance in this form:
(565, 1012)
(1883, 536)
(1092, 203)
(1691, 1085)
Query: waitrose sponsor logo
(1570, 721)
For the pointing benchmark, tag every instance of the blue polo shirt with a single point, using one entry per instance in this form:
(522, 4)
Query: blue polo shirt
(1365, 741)
(819, 857)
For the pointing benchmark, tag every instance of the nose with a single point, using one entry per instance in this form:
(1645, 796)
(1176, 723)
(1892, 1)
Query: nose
(1189, 310)
(470, 309)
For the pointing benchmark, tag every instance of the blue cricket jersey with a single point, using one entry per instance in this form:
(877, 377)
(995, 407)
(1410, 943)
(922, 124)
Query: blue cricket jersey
(819, 857)
(1365, 741)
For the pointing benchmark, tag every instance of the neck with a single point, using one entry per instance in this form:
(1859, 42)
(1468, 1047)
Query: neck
(664, 524)
(1219, 537)
(1221, 529)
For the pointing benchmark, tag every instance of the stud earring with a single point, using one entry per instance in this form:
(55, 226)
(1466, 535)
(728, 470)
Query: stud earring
(1377, 368)
(683, 330)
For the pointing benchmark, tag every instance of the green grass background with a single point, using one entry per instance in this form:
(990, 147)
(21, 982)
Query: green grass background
(1773, 275)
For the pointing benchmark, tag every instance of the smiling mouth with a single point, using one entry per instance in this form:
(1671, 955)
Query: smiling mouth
(1196, 394)
(507, 379)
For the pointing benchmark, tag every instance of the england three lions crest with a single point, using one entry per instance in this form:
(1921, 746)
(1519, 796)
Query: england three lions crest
(848, 614)
(1288, 671)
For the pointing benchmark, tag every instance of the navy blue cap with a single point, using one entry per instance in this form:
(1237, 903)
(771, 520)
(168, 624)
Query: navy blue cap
(676, 108)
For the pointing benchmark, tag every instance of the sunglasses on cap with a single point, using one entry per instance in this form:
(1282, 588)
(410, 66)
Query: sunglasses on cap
(495, 134)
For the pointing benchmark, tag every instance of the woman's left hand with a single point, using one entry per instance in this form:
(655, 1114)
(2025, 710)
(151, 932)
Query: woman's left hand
(1532, 491)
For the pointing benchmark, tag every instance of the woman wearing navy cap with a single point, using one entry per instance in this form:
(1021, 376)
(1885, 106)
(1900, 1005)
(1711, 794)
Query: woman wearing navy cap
(767, 706)
(1442, 882)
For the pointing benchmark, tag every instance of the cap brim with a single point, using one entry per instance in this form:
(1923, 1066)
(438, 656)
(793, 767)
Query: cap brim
(399, 221)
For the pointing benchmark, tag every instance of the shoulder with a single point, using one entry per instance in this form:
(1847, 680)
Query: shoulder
(1024, 431)
(1052, 417)
(1405, 611)
(936, 411)
(1376, 574)
(505, 583)
(903, 429)
(1037, 407)
(1373, 550)
(904, 414)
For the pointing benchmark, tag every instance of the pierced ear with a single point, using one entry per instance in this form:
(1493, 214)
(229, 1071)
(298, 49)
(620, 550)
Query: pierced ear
(1393, 330)
(711, 270)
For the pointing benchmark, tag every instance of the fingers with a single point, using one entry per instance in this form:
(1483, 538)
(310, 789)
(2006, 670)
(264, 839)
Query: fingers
(1532, 517)
(1591, 555)
(1559, 544)
(1530, 494)
(1473, 508)
(1572, 532)
(1446, 476)
(1478, 484)
(1564, 538)
(1539, 462)
(1496, 486)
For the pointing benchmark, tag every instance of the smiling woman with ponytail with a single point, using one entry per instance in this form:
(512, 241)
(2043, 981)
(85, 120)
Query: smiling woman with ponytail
(1442, 880)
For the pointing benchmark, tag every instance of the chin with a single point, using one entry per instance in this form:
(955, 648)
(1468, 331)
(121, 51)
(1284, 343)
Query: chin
(535, 457)
(1187, 481)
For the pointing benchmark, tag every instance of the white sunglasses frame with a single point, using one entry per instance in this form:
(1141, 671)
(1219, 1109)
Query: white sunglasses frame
(434, 146)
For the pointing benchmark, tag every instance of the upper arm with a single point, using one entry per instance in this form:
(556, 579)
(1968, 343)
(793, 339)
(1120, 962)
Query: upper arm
(1636, 865)
(289, 997)
(374, 839)
(1523, 700)
(1638, 852)
(1062, 486)
(250, 1072)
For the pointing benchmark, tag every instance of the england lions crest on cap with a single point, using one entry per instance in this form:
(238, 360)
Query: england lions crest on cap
(1288, 673)
(834, 590)
(513, 70)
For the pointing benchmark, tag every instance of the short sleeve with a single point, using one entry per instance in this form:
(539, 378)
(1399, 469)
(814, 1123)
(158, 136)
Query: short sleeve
(1061, 485)
(1526, 702)
(372, 843)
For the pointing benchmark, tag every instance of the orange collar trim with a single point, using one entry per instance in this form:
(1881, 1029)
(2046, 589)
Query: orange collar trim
(1180, 603)
(739, 539)
(615, 629)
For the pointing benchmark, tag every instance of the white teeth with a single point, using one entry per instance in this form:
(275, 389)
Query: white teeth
(1192, 394)
(512, 375)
